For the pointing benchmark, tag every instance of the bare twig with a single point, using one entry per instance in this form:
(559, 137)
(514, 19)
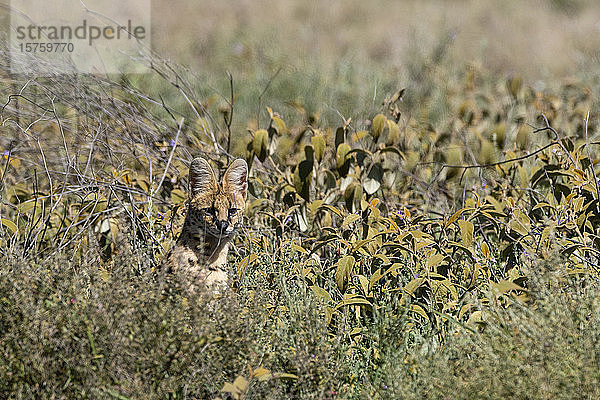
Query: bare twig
(263, 93)
(587, 148)
(230, 119)
(556, 138)
(494, 163)
(162, 178)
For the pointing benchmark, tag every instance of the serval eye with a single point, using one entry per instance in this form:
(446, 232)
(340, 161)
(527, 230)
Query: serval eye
(233, 211)
(208, 210)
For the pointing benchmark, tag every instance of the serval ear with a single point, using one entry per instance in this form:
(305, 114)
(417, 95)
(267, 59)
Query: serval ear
(202, 177)
(235, 178)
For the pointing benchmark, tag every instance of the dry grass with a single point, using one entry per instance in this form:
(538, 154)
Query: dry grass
(536, 38)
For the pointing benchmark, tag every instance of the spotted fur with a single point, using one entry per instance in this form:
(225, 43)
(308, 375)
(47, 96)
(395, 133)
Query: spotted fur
(215, 213)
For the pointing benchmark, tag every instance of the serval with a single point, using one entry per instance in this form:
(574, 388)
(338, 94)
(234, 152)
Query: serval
(215, 213)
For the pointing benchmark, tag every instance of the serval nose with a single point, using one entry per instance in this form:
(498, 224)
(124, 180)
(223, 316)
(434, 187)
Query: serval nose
(222, 225)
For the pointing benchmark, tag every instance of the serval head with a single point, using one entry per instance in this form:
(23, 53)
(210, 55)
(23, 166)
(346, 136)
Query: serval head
(216, 207)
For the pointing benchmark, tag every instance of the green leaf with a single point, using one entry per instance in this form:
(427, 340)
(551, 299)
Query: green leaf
(115, 394)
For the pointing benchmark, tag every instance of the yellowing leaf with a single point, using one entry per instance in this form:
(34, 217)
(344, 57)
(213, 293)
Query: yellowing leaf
(454, 217)
(371, 185)
(261, 373)
(178, 196)
(364, 284)
(517, 226)
(434, 260)
(344, 271)
(485, 250)
(394, 268)
(474, 318)
(393, 133)
(280, 125)
(341, 155)
(241, 384)
(464, 309)
(350, 218)
(104, 274)
(374, 278)
(318, 143)
(378, 125)
(299, 249)
(284, 375)
(413, 285)
(359, 135)
(419, 310)
(260, 143)
(243, 266)
(9, 224)
(354, 301)
(321, 293)
(506, 286)
(466, 232)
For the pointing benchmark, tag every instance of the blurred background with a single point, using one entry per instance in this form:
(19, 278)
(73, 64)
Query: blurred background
(535, 37)
(317, 54)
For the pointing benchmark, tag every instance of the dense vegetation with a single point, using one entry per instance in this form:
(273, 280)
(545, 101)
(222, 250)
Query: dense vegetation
(440, 242)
